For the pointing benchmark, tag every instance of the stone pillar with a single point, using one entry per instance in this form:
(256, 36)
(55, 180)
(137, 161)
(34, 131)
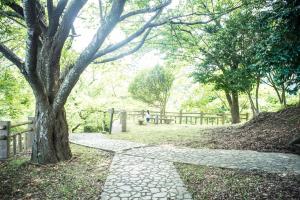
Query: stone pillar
(180, 117)
(4, 139)
(123, 119)
(112, 111)
(29, 135)
(156, 119)
(143, 114)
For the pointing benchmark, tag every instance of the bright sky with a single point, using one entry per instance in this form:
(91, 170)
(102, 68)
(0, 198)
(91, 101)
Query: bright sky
(86, 33)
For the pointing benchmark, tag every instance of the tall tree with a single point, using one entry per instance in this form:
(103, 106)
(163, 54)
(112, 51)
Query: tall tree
(48, 25)
(280, 24)
(226, 59)
(153, 87)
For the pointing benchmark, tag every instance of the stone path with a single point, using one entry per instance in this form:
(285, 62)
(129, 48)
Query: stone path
(100, 142)
(139, 171)
(134, 177)
(235, 159)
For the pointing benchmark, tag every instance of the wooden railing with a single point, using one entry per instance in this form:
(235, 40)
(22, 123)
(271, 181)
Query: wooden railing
(188, 117)
(14, 138)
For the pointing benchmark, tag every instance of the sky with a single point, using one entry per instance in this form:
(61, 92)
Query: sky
(85, 33)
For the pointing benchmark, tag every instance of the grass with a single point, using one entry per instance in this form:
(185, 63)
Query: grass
(80, 178)
(260, 134)
(161, 134)
(216, 183)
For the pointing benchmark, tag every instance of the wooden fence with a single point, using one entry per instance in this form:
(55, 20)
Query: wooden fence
(188, 117)
(15, 138)
(107, 117)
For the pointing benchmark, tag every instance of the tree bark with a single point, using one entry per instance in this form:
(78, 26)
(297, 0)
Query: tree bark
(51, 83)
(233, 101)
(235, 109)
(253, 108)
(283, 97)
(51, 142)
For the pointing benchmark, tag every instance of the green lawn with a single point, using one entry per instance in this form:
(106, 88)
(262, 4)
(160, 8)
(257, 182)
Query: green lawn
(216, 183)
(264, 137)
(80, 178)
(175, 134)
(157, 134)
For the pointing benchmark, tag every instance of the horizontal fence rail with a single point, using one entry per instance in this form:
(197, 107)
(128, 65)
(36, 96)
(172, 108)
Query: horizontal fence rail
(15, 138)
(193, 118)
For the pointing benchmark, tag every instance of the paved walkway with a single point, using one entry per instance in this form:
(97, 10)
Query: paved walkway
(101, 142)
(139, 171)
(134, 177)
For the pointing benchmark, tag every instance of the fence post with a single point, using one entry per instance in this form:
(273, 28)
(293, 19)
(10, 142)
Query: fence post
(156, 119)
(180, 117)
(111, 120)
(29, 134)
(4, 139)
(201, 118)
(143, 114)
(247, 116)
(14, 144)
(223, 118)
(20, 149)
(123, 119)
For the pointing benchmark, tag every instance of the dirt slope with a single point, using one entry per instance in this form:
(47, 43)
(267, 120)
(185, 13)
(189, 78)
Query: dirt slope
(269, 132)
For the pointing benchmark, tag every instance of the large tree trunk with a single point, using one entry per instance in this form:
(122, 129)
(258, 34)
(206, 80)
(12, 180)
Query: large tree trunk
(52, 84)
(51, 142)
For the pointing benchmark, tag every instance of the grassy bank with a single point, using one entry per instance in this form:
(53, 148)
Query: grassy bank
(269, 132)
(215, 183)
(80, 178)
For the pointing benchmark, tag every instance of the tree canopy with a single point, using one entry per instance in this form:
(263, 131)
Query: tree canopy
(153, 87)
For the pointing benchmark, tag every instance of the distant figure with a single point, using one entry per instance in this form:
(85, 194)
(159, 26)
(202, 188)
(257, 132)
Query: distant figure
(148, 116)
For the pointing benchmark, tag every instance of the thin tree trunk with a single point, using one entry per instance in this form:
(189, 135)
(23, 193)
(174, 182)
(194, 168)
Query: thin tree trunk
(256, 94)
(283, 96)
(253, 108)
(235, 110)
(51, 142)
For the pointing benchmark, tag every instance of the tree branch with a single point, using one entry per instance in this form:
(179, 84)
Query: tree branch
(145, 10)
(139, 32)
(88, 53)
(12, 57)
(12, 16)
(17, 8)
(32, 35)
(101, 11)
(32, 43)
(122, 55)
(56, 14)
(50, 10)
(67, 22)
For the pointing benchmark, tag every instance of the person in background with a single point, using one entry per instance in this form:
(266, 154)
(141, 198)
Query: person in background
(148, 116)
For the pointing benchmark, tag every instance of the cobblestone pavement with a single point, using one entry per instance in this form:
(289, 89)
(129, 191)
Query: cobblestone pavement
(235, 159)
(134, 177)
(99, 141)
(143, 172)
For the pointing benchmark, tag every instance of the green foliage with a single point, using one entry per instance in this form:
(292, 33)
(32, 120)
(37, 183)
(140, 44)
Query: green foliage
(152, 86)
(15, 98)
(95, 121)
(280, 27)
(227, 56)
(205, 99)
